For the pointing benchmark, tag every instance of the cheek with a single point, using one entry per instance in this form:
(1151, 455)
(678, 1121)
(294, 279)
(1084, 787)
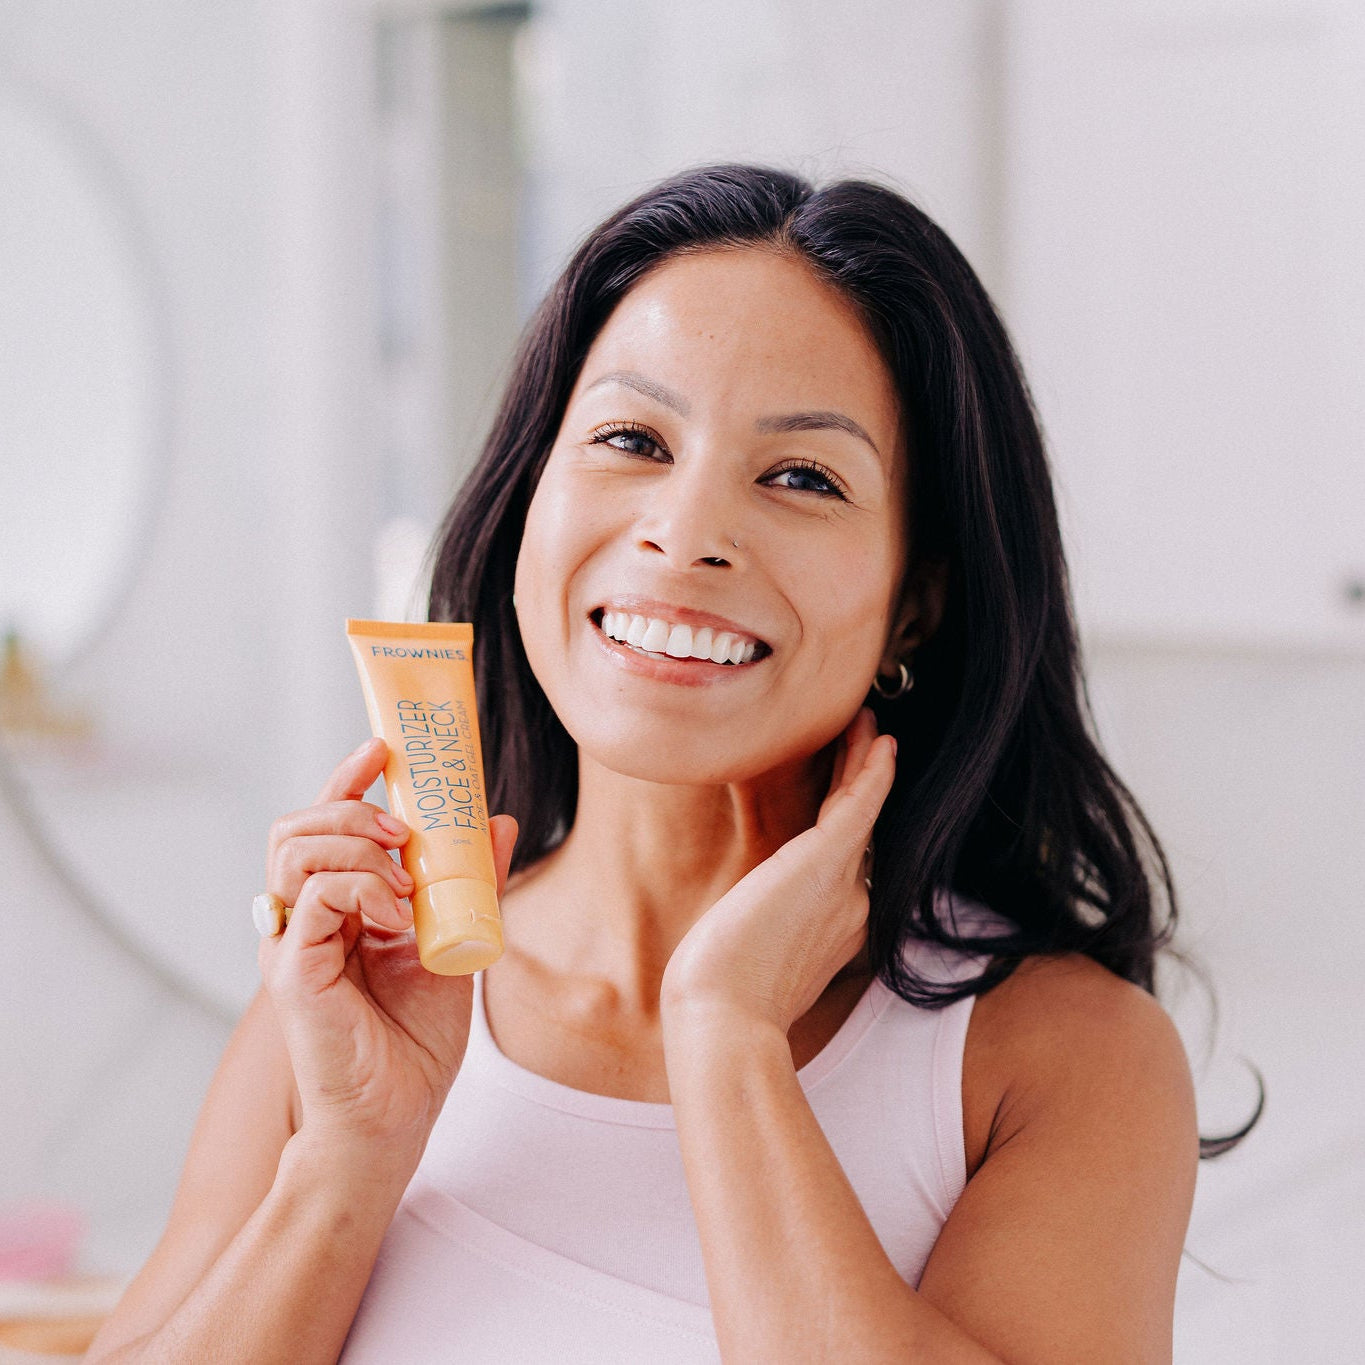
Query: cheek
(535, 575)
(548, 538)
(849, 601)
(560, 536)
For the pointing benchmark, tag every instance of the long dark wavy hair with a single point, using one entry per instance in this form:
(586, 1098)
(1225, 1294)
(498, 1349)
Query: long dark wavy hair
(1001, 795)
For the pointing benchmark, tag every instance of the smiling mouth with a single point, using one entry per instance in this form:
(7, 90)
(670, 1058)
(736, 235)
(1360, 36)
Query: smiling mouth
(684, 645)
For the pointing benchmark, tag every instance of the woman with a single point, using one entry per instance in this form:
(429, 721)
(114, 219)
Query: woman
(824, 1029)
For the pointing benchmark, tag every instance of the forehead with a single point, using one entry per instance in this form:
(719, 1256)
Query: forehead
(752, 328)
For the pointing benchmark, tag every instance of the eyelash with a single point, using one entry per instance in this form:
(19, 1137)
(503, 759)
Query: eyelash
(604, 435)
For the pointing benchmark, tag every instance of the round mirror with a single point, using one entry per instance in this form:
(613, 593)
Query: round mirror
(80, 379)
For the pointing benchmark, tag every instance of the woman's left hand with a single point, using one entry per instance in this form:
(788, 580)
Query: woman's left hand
(768, 948)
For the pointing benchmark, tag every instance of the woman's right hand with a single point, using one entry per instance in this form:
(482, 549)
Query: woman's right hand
(374, 1039)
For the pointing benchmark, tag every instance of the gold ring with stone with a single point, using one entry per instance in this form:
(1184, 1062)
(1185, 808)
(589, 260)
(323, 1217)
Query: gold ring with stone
(270, 914)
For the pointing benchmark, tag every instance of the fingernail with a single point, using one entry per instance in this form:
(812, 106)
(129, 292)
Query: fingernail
(894, 746)
(389, 824)
(404, 876)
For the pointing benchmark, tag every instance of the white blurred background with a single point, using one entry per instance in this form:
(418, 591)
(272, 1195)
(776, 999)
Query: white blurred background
(261, 266)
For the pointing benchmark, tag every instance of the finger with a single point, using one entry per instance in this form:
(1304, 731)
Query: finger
(503, 830)
(358, 818)
(862, 731)
(854, 743)
(328, 898)
(310, 955)
(850, 813)
(354, 775)
(297, 859)
(840, 754)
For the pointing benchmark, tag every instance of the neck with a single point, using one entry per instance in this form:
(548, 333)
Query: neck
(644, 861)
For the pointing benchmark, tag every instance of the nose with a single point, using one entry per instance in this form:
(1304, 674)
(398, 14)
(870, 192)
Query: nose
(692, 517)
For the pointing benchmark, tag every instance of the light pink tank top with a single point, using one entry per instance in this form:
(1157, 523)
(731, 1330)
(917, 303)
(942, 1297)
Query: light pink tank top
(549, 1224)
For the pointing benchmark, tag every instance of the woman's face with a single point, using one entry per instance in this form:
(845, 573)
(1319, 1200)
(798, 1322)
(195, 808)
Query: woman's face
(729, 471)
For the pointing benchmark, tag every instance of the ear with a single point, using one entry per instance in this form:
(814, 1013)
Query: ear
(920, 612)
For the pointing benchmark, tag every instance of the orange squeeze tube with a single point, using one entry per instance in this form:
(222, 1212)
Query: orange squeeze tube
(418, 681)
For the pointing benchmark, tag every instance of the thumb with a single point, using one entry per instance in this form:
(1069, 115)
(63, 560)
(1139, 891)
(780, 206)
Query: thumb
(503, 830)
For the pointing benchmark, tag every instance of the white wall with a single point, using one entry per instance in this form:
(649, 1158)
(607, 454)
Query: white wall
(1186, 278)
(627, 92)
(223, 688)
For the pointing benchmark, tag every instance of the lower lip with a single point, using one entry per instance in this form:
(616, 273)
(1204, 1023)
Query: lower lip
(664, 668)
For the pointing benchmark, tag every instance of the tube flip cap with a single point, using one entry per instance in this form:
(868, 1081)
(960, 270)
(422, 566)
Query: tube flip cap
(459, 927)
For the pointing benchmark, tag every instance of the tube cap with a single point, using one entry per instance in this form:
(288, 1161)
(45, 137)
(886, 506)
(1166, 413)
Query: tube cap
(459, 927)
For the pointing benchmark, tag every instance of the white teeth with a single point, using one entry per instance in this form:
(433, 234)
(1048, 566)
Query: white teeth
(678, 641)
(656, 637)
(679, 644)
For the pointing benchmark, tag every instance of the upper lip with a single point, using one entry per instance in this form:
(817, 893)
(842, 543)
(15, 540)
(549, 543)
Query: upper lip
(676, 615)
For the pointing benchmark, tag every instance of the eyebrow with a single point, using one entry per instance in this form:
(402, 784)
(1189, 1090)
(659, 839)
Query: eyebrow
(816, 421)
(648, 387)
(823, 420)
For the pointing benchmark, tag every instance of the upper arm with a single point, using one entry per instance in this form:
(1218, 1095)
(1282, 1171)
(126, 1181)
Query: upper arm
(248, 1115)
(1064, 1246)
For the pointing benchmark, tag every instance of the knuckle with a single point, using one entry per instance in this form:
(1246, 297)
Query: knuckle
(362, 854)
(313, 891)
(373, 863)
(341, 890)
(323, 885)
(357, 819)
(286, 857)
(376, 889)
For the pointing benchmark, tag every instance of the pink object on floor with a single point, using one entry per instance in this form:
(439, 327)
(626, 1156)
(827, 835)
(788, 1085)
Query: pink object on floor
(39, 1240)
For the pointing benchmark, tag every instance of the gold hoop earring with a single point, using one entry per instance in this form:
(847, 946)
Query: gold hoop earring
(904, 684)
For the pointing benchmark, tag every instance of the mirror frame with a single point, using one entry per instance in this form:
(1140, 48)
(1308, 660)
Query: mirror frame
(101, 171)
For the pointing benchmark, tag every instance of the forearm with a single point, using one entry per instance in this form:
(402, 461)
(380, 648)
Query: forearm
(287, 1286)
(795, 1269)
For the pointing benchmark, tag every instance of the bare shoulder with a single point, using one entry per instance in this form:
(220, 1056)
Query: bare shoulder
(1082, 1147)
(1063, 1040)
